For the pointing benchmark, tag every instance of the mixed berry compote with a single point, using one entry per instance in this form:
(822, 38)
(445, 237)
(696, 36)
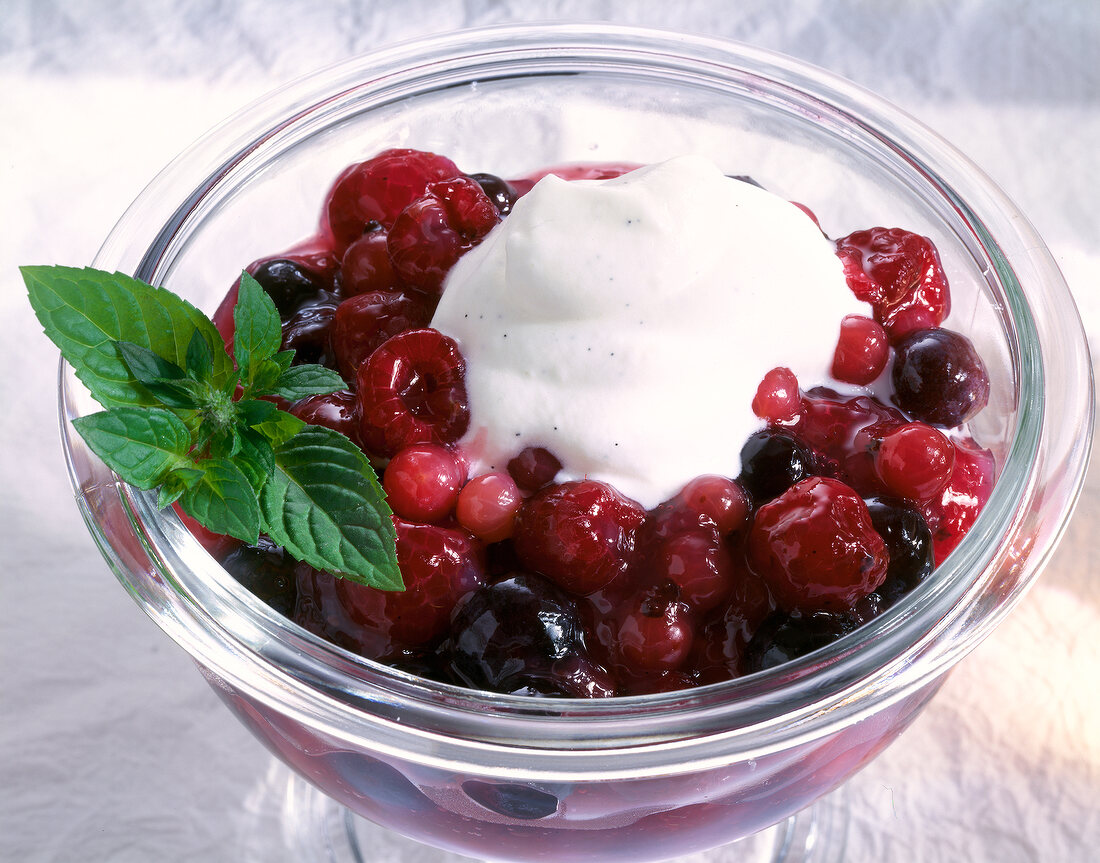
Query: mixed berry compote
(534, 567)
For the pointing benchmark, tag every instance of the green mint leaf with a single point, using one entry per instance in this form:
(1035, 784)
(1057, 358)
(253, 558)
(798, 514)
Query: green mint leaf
(252, 412)
(265, 374)
(175, 484)
(280, 427)
(324, 505)
(200, 357)
(299, 382)
(146, 366)
(256, 458)
(283, 359)
(85, 312)
(166, 381)
(223, 501)
(257, 331)
(139, 444)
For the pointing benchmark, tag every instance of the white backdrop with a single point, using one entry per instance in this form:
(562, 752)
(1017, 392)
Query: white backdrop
(111, 746)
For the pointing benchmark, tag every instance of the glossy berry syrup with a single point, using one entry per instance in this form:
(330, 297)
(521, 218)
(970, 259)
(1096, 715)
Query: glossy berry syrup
(520, 582)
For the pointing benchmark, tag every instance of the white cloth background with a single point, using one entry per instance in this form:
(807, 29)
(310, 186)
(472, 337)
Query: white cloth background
(111, 746)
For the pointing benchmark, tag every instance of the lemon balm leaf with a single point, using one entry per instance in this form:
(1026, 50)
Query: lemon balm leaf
(325, 506)
(85, 312)
(141, 445)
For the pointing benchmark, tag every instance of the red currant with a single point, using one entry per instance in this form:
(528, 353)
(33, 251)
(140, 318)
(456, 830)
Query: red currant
(422, 482)
(915, 461)
(487, 506)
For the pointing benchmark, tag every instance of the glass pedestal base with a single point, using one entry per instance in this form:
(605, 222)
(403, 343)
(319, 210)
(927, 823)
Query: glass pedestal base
(287, 820)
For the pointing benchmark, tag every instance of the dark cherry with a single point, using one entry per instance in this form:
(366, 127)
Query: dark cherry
(267, 571)
(533, 468)
(522, 634)
(939, 377)
(784, 637)
(499, 190)
(909, 544)
(289, 284)
(338, 411)
(771, 462)
(307, 331)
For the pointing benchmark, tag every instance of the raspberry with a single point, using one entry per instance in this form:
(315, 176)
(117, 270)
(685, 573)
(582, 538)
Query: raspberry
(487, 506)
(422, 482)
(939, 378)
(439, 565)
(777, 398)
(914, 461)
(952, 512)
(363, 322)
(579, 534)
(816, 548)
(412, 390)
(378, 189)
(436, 229)
(861, 351)
(899, 274)
(366, 266)
(338, 411)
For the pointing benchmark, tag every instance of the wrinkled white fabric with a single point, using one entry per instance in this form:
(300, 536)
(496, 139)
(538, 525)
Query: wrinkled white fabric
(112, 748)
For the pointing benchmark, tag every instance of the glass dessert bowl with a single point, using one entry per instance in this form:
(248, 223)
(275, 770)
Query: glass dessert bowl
(631, 778)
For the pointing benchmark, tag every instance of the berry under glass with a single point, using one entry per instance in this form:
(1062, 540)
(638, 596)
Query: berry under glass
(639, 778)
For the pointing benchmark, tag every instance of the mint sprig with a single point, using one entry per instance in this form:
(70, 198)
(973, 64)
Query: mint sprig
(184, 417)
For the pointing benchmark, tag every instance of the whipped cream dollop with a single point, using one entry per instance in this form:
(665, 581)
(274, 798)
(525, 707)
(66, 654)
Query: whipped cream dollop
(625, 324)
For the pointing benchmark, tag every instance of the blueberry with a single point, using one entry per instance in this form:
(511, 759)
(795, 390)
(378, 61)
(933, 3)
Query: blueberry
(267, 571)
(909, 543)
(288, 283)
(771, 462)
(513, 801)
(939, 377)
(783, 637)
(499, 191)
(515, 636)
